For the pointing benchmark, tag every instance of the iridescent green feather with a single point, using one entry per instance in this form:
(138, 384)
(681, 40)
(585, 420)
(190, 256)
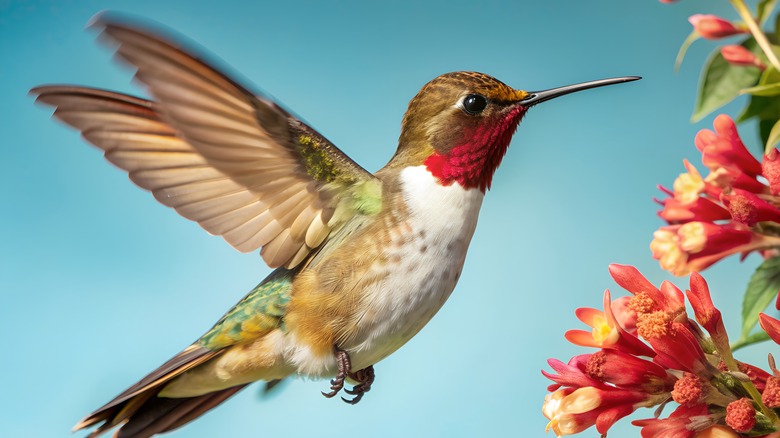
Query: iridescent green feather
(258, 313)
(354, 190)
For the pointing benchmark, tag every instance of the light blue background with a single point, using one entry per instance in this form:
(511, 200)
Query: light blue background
(99, 284)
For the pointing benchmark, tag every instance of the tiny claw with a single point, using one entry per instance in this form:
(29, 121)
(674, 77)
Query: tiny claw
(364, 377)
(355, 400)
(337, 383)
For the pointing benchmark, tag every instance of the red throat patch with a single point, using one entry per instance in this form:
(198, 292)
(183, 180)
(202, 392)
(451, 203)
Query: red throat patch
(473, 163)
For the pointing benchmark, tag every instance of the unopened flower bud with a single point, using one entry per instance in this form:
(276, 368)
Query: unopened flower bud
(738, 55)
(713, 27)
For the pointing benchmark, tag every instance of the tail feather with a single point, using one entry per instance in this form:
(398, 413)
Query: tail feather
(161, 415)
(144, 414)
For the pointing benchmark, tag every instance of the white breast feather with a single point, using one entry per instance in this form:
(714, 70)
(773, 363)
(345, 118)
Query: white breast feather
(426, 258)
(441, 222)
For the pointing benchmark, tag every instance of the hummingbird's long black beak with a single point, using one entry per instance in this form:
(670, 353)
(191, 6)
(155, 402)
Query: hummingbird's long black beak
(535, 97)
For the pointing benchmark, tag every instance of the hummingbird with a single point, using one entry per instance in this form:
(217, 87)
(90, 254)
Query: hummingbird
(362, 261)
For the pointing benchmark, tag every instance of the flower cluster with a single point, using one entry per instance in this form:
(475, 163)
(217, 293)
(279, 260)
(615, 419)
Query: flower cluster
(734, 209)
(712, 27)
(651, 353)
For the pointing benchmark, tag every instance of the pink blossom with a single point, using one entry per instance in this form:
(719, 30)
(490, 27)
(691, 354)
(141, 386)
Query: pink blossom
(713, 27)
(738, 55)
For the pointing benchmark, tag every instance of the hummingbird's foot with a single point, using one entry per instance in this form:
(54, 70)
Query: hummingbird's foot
(344, 364)
(365, 378)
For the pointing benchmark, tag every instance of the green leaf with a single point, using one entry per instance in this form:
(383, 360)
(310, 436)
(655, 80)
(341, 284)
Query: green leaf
(684, 49)
(764, 9)
(777, 29)
(764, 105)
(721, 83)
(765, 108)
(761, 289)
(762, 90)
(755, 338)
(773, 137)
(764, 129)
(769, 76)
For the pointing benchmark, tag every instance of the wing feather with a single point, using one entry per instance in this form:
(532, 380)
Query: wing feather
(234, 162)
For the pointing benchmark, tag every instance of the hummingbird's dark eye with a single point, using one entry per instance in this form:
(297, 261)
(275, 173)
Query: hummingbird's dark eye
(474, 104)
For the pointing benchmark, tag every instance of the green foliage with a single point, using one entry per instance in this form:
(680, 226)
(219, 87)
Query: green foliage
(722, 82)
(755, 338)
(773, 138)
(761, 290)
(764, 9)
(765, 106)
(684, 48)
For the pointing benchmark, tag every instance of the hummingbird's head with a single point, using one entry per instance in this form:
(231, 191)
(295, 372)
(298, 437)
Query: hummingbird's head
(460, 124)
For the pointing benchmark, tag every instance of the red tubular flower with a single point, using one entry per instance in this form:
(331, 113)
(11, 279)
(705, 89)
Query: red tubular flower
(747, 208)
(630, 279)
(571, 374)
(694, 246)
(675, 346)
(628, 372)
(680, 423)
(723, 148)
(606, 333)
(770, 167)
(706, 314)
(713, 27)
(624, 316)
(724, 178)
(771, 326)
(723, 214)
(599, 389)
(575, 411)
(738, 55)
(700, 210)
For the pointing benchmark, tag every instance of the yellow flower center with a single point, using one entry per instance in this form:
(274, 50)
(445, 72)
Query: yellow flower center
(720, 177)
(665, 247)
(692, 237)
(688, 187)
(603, 333)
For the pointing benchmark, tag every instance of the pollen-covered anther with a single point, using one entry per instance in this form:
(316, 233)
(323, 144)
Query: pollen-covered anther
(747, 208)
(741, 415)
(655, 325)
(595, 364)
(641, 303)
(771, 395)
(771, 170)
(689, 390)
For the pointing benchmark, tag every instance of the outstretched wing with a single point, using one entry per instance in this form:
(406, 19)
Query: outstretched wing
(236, 163)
